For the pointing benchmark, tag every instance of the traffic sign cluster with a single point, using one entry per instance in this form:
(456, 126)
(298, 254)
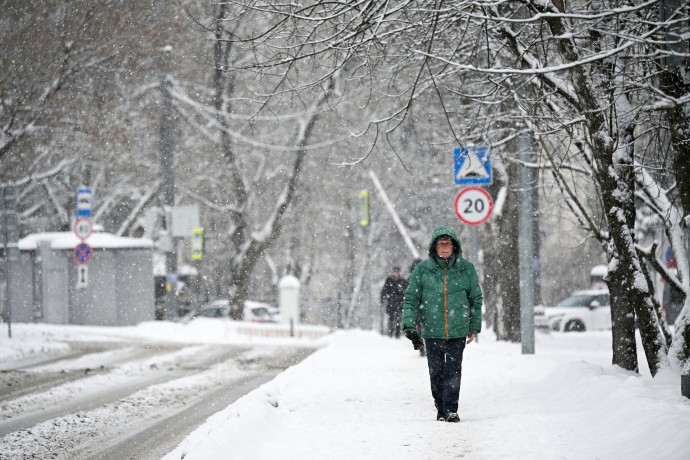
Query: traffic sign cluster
(473, 205)
(83, 227)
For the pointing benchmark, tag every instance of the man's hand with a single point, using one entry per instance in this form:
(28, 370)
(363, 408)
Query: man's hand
(470, 337)
(416, 340)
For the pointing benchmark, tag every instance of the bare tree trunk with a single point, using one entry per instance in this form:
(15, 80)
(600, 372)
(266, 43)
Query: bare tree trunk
(249, 247)
(501, 273)
(677, 83)
(673, 83)
(641, 292)
(616, 180)
(509, 258)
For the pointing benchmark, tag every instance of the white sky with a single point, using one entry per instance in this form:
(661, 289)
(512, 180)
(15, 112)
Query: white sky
(364, 396)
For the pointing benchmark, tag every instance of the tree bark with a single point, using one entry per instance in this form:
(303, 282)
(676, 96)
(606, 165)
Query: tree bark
(672, 83)
(679, 119)
(502, 272)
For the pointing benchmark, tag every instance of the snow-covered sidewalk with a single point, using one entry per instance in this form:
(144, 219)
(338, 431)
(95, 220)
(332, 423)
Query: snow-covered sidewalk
(364, 396)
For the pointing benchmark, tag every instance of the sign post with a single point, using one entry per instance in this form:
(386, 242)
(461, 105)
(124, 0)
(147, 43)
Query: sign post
(83, 227)
(365, 222)
(9, 237)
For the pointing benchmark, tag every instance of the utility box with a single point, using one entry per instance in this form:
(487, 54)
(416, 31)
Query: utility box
(49, 286)
(288, 292)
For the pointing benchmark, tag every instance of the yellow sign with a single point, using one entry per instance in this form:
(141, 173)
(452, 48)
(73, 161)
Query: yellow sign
(364, 208)
(197, 243)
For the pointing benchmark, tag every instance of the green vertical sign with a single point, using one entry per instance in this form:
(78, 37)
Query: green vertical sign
(364, 208)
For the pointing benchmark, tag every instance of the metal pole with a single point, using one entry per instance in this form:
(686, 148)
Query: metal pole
(168, 166)
(10, 236)
(8, 289)
(471, 249)
(525, 245)
(536, 266)
(685, 378)
(8, 283)
(367, 291)
(339, 313)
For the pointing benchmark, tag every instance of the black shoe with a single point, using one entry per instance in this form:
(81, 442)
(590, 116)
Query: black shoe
(440, 417)
(452, 417)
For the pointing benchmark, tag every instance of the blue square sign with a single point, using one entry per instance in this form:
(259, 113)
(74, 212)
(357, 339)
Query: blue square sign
(84, 202)
(472, 165)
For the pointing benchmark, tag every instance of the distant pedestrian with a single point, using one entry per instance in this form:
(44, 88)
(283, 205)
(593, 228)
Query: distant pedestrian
(392, 296)
(445, 295)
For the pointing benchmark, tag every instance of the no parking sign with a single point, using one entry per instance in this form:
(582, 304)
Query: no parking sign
(83, 253)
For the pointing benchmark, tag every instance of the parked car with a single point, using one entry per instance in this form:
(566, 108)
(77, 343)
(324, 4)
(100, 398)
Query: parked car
(253, 311)
(583, 311)
(263, 309)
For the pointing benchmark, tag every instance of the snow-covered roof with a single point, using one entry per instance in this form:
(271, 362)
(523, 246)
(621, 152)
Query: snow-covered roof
(68, 240)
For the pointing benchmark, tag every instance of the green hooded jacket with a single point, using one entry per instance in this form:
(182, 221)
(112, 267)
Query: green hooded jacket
(443, 294)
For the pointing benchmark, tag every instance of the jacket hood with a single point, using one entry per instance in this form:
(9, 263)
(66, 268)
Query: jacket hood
(444, 231)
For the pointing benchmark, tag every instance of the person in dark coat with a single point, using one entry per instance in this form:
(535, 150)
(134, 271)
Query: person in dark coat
(444, 296)
(392, 296)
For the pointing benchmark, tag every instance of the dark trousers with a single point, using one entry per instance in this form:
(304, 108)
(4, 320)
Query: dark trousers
(394, 320)
(445, 370)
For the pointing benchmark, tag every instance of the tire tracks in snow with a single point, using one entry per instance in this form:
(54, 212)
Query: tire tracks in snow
(141, 409)
(118, 373)
(83, 359)
(153, 441)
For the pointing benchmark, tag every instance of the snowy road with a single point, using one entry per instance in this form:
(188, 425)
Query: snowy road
(125, 398)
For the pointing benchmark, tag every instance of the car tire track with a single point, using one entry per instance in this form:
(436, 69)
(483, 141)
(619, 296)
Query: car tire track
(150, 420)
(35, 408)
(31, 377)
(152, 441)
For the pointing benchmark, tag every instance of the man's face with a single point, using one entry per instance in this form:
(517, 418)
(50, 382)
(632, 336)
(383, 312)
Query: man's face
(444, 247)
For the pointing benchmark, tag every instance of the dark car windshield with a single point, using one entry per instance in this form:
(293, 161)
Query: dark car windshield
(584, 300)
(213, 312)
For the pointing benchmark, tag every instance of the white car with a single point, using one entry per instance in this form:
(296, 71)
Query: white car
(582, 311)
(255, 312)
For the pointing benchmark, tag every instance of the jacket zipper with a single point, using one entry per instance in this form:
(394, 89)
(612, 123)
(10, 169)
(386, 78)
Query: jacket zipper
(445, 300)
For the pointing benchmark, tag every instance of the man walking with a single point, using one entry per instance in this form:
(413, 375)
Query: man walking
(444, 294)
(392, 296)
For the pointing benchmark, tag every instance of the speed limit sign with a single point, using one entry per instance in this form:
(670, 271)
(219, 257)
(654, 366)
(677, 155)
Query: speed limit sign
(473, 205)
(83, 228)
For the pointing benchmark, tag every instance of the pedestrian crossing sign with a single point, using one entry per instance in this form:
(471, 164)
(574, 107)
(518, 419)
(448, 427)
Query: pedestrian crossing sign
(472, 165)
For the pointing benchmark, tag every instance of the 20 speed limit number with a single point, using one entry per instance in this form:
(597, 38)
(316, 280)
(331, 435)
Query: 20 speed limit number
(473, 205)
